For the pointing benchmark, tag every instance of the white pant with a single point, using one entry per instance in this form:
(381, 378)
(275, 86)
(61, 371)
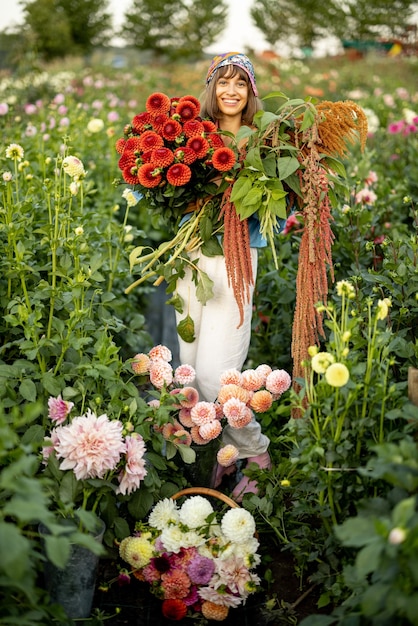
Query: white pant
(219, 344)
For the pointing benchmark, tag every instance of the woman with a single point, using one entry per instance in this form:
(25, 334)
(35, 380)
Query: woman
(222, 333)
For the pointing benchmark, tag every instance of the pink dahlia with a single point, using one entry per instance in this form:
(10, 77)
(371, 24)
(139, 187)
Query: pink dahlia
(184, 374)
(252, 380)
(184, 418)
(190, 397)
(230, 377)
(160, 373)
(135, 470)
(160, 352)
(175, 584)
(58, 409)
(278, 381)
(227, 455)
(90, 445)
(239, 419)
(203, 412)
(210, 430)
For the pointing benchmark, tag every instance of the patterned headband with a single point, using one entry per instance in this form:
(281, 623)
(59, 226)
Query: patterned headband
(233, 58)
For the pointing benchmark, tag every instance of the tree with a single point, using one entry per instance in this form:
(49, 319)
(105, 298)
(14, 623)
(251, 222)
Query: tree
(61, 27)
(306, 21)
(174, 28)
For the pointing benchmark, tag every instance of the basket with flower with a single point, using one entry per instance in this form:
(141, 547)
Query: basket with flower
(199, 559)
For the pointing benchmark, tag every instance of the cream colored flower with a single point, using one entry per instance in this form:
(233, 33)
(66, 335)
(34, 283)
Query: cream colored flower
(345, 288)
(321, 361)
(79, 231)
(383, 308)
(15, 151)
(95, 125)
(73, 167)
(337, 375)
(131, 198)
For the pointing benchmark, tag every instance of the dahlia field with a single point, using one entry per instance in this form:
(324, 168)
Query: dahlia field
(339, 507)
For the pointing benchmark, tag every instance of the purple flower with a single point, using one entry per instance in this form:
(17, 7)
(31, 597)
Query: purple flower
(201, 570)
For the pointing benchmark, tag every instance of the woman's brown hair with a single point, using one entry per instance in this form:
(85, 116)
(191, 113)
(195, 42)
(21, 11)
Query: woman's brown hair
(209, 106)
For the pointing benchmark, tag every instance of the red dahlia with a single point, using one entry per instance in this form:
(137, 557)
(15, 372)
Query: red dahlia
(130, 175)
(162, 157)
(179, 174)
(199, 145)
(149, 176)
(171, 130)
(158, 103)
(192, 99)
(193, 128)
(223, 159)
(133, 144)
(187, 110)
(209, 126)
(159, 121)
(150, 140)
(185, 155)
(215, 140)
(128, 159)
(140, 122)
(120, 145)
(174, 609)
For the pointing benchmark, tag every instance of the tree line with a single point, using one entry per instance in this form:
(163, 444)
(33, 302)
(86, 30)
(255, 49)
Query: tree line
(183, 29)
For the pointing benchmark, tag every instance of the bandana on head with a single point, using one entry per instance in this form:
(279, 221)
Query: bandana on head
(233, 58)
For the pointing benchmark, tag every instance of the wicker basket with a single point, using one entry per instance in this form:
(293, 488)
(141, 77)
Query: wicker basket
(206, 491)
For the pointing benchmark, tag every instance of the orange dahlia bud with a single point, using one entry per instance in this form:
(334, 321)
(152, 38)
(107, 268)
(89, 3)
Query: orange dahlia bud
(213, 611)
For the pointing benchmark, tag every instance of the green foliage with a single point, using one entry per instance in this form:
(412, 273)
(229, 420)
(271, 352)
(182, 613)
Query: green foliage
(175, 30)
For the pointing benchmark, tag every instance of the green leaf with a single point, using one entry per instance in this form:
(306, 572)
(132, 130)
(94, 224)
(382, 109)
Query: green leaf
(204, 290)
(187, 453)
(185, 329)
(308, 119)
(57, 549)
(287, 166)
(121, 527)
(205, 227)
(177, 302)
(336, 166)
(211, 247)
(14, 551)
(356, 532)
(51, 383)
(241, 187)
(140, 502)
(368, 558)
(27, 390)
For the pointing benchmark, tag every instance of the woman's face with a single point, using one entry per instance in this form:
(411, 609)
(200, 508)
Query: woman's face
(231, 94)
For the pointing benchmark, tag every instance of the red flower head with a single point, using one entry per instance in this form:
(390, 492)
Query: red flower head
(120, 145)
(149, 176)
(128, 159)
(193, 100)
(162, 157)
(223, 159)
(209, 126)
(171, 130)
(179, 174)
(193, 128)
(159, 121)
(199, 145)
(150, 140)
(158, 103)
(130, 175)
(185, 155)
(133, 144)
(215, 140)
(174, 609)
(140, 122)
(186, 110)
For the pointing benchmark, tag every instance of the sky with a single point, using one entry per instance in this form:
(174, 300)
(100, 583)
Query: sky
(238, 35)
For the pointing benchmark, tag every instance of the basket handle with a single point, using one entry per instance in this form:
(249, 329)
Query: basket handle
(206, 491)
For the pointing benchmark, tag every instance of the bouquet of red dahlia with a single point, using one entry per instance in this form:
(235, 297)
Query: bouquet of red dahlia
(172, 156)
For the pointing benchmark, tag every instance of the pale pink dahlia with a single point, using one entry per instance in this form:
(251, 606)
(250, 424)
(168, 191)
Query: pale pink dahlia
(184, 418)
(160, 352)
(278, 381)
(252, 380)
(210, 430)
(135, 470)
(197, 438)
(160, 373)
(230, 377)
(90, 445)
(58, 409)
(227, 455)
(203, 412)
(264, 370)
(239, 418)
(184, 374)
